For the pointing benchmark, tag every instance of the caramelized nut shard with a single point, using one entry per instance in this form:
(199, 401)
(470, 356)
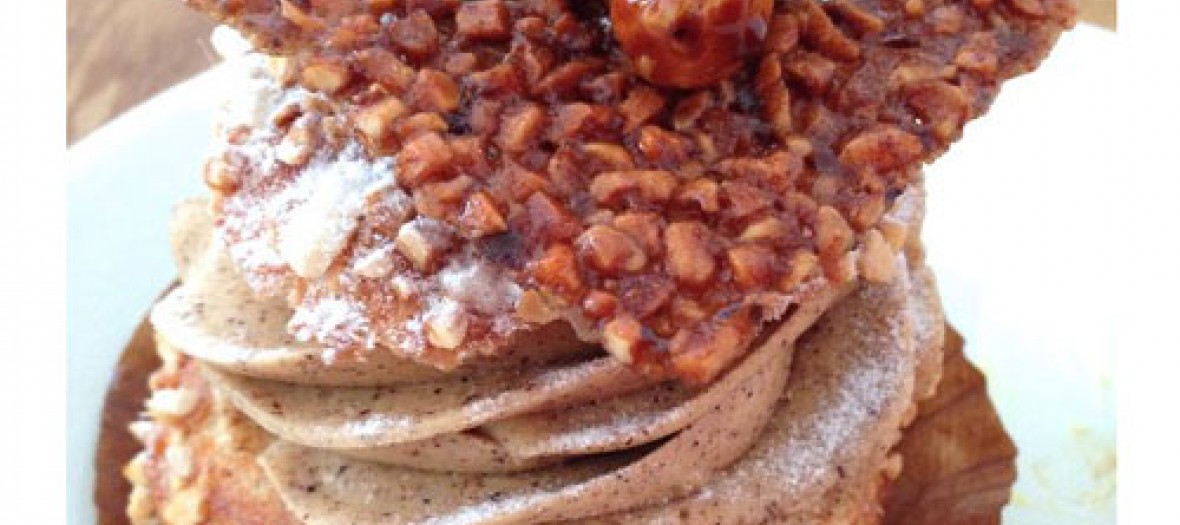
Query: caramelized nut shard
(689, 253)
(858, 17)
(979, 54)
(802, 269)
(610, 250)
(883, 148)
(876, 258)
(423, 241)
(535, 307)
(702, 192)
(325, 76)
(520, 128)
(622, 337)
(376, 121)
(894, 231)
(434, 90)
(480, 217)
(641, 104)
(423, 158)
(446, 325)
(558, 270)
(172, 402)
(548, 219)
(769, 229)
(752, 265)
(612, 155)
(783, 34)
(141, 507)
(644, 227)
(654, 186)
(599, 304)
(386, 68)
(821, 32)
(483, 20)
(832, 233)
(188, 506)
(415, 35)
(701, 353)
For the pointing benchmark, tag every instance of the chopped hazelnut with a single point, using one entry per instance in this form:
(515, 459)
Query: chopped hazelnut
(423, 158)
(769, 229)
(480, 216)
(622, 337)
(612, 155)
(876, 258)
(894, 231)
(752, 265)
(519, 129)
(689, 254)
(434, 90)
(415, 35)
(641, 104)
(644, 227)
(832, 233)
(446, 325)
(535, 307)
(610, 250)
(599, 304)
(483, 20)
(802, 269)
(652, 185)
(325, 76)
(423, 241)
(376, 121)
(558, 269)
(173, 402)
(702, 192)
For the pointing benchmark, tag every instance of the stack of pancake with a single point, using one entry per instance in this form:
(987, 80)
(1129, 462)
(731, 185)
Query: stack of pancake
(323, 367)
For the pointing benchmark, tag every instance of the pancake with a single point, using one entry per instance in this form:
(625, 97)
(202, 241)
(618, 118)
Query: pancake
(854, 377)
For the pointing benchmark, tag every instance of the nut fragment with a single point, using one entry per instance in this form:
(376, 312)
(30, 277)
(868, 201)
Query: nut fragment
(483, 20)
(599, 304)
(690, 256)
(446, 325)
(423, 241)
(883, 148)
(325, 76)
(802, 269)
(434, 90)
(641, 104)
(376, 121)
(622, 337)
(480, 216)
(832, 233)
(652, 185)
(558, 269)
(188, 506)
(536, 307)
(610, 250)
(894, 231)
(415, 35)
(612, 155)
(702, 192)
(172, 402)
(769, 229)
(876, 258)
(423, 158)
(644, 227)
(752, 265)
(520, 128)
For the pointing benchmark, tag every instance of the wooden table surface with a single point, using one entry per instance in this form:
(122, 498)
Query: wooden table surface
(121, 52)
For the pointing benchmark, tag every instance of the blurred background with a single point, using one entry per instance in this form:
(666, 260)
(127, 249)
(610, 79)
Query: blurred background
(121, 52)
